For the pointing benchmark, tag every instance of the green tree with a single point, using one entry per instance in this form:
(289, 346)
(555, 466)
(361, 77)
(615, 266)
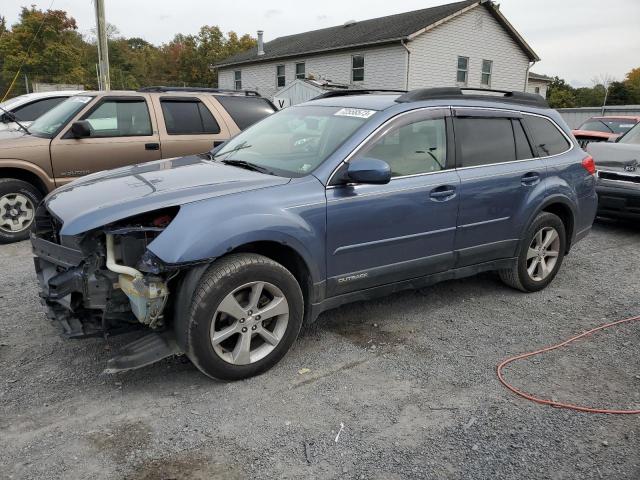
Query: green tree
(50, 56)
(561, 94)
(47, 46)
(632, 81)
(587, 97)
(619, 94)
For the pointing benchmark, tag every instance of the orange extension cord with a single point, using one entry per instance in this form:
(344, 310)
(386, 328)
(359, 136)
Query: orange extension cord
(543, 401)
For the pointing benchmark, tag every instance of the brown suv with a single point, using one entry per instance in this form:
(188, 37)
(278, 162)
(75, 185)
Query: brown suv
(96, 131)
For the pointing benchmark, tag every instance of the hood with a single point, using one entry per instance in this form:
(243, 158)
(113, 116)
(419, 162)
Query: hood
(616, 157)
(17, 144)
(105, 197)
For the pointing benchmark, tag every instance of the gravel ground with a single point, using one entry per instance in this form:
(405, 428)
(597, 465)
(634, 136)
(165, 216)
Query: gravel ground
(411, 378)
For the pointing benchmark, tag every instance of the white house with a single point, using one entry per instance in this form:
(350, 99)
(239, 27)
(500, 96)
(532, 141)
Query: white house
(538, 84)
(468, 43)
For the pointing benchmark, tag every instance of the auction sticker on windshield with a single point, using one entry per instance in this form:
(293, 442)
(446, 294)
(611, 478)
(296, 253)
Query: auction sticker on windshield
(354, 112)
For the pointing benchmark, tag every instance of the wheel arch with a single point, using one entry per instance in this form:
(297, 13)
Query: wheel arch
(289, 258)
(29, 175)
(565, 210)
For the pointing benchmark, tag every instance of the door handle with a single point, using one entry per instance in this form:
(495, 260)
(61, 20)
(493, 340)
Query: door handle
(443, 193)
(152, 146)
(530, 179)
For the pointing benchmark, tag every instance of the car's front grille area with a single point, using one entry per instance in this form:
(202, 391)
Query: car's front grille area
(619, 177)
(46, 226)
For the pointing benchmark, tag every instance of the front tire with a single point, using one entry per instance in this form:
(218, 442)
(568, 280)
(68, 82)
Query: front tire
(540, 255)
(18, 203)
(245, 314)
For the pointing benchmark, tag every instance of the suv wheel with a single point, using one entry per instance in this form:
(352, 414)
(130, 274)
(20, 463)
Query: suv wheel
(245, 315)
(18, 202)
(540, 255)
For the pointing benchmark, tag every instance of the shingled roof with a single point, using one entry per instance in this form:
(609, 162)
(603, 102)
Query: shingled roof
(376, 31)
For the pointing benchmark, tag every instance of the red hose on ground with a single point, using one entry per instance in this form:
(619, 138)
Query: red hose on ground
(543, 401)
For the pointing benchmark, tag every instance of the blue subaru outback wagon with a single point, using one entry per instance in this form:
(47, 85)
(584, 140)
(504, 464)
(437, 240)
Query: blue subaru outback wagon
(224, 256)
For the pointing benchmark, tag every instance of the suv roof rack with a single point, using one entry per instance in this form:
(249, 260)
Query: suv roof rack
(453, 92)
(346, 93)
(161, 89)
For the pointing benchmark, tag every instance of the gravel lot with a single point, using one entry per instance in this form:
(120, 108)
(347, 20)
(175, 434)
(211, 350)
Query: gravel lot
(410, 377)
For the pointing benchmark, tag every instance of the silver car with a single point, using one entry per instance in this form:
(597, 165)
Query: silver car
(618, 175)
(27, 108)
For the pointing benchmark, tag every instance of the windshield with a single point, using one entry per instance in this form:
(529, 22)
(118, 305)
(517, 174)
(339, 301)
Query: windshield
(51, 122)
(632, 136)
(294, 141)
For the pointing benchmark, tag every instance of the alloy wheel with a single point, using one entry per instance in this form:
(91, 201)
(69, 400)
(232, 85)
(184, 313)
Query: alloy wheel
(16, 213)
(249, 323)
(543, 253)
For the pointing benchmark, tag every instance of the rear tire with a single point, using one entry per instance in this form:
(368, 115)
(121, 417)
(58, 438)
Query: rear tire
(18, 203)
(245, 314)
(540, 255)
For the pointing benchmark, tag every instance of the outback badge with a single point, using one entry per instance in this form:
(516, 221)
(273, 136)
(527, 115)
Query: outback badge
(631, 166)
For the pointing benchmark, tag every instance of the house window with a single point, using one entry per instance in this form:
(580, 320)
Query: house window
(537, 90)
(237, 79)
(280, 77)
(300, 71)
(463, 70)
(357, 68)
(485, 77)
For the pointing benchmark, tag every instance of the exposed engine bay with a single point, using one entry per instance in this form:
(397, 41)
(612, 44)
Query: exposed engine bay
(105, 281)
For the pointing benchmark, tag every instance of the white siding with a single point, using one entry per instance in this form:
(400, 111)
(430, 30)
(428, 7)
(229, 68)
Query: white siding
(474, 34)
(531, 87)
(384, 67)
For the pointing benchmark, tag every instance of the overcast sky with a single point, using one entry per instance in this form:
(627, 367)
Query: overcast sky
(576, 39)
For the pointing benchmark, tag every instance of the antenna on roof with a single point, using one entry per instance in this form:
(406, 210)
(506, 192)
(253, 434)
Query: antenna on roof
(349, 23)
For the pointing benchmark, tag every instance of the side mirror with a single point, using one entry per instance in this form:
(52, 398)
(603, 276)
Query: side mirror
(369, 171)
(81, 129)
(7, 117)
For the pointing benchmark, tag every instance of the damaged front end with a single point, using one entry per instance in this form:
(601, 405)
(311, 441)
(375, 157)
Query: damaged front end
(106, 282)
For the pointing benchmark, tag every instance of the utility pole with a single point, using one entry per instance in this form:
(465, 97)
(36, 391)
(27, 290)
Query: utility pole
(103, 47)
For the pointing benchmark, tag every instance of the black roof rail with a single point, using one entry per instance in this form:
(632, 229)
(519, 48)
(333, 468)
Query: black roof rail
(226, 91)
(346, 93)
(452, 92)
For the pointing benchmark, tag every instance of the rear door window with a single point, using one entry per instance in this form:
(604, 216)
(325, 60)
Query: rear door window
(120, 118)
(245, 111)
(484, 141)
(546, 137)
(188, 117)
(33, 110)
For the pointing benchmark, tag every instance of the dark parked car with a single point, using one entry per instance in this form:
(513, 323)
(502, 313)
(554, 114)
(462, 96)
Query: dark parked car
(618, 177)
(227, 254)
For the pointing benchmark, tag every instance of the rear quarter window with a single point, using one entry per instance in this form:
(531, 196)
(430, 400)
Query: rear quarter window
(546, 137)
(246, 111)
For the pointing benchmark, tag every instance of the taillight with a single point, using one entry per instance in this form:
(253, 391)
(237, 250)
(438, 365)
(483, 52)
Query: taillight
(589, 165)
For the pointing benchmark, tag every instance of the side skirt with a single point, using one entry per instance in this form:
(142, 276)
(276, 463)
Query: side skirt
(411, 284)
